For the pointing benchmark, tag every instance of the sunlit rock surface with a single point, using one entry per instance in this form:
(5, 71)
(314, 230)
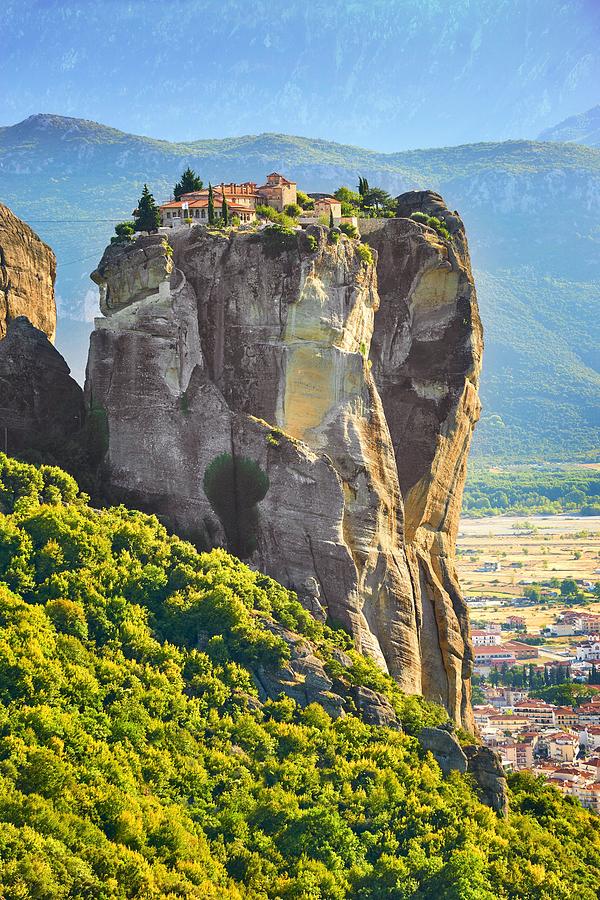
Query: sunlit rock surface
(262, 393)
(27, 275)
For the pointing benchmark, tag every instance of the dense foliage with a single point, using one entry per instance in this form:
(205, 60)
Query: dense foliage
(366, 202)
(147, 215)
(432, 222)
(531, 490)
(187, 184)
(136, 759)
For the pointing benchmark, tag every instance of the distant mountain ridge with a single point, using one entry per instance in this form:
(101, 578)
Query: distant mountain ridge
(530, 209)
(581, 129)
(388, 73)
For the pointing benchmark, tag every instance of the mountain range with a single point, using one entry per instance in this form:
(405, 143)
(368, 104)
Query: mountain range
(391, 74)
(581, 129)
(530, 209)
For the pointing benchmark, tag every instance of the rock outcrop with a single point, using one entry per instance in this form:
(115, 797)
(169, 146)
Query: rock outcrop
(41, 406)
(426, 353)
(255, 397)
(445, 748)
(486, 768)
(27, 274)
(482, 763)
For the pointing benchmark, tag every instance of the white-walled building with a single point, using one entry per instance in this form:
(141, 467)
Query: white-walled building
(484, 638)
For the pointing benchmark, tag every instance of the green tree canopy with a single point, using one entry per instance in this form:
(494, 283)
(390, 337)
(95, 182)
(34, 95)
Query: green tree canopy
(568, 587)
(378, 199)
(152, 745)
(147, 216)
(188, 183)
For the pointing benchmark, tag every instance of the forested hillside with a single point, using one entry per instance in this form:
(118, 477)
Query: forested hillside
(529, 210)
(138, 757)
(515, 490)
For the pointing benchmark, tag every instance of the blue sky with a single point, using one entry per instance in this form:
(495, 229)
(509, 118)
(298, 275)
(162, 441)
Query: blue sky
(387, 74)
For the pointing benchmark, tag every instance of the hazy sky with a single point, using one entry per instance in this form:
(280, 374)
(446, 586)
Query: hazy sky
(387, 74)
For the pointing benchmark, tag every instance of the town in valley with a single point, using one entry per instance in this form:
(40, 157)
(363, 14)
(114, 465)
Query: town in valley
(533, 591)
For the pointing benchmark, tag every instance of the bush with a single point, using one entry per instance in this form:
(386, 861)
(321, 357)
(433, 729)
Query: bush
(311, 242)
(365, 253)
(293, 210)
(306, 202)
(349, 229)
(124, 232)
(432, 222)
(279, 239)
(273, 215)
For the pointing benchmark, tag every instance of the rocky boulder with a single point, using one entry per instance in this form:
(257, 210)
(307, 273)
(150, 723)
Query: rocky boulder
(482, 763)
(41, 406)
(27, 274)
(375, 709)
(131, 271)
(486, 768)
(445, 748)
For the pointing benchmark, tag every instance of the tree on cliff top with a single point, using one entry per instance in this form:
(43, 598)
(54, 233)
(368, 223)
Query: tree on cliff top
(189, 182)
(224, 212)
(376, 198)
(211, 205)
(147, 215)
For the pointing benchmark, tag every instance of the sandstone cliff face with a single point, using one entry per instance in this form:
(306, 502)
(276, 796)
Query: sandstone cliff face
(242, 406)
(27, 274)
(426, 354)
(41, 407)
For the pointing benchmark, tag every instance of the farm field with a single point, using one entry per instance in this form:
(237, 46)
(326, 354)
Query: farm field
(527, 550)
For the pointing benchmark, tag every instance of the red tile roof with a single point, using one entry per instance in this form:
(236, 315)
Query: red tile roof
(202, 203)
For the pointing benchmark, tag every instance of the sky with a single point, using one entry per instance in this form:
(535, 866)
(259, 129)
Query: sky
(385, 74)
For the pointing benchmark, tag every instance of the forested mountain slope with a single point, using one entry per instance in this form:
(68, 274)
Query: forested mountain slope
(530, 211)
(142, 756)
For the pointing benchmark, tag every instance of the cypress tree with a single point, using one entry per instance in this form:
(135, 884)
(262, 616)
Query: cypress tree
(224, 212)
(147, 214)
(211, 205)
(331, 221)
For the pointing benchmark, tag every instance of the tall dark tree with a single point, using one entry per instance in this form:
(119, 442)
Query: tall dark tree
(331, 219)
(189, 182)
(211, 205)
(363, 186)
(147, 215)
(224, 211)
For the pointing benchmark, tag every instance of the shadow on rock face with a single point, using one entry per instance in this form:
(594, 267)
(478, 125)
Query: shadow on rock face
(234, 487)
